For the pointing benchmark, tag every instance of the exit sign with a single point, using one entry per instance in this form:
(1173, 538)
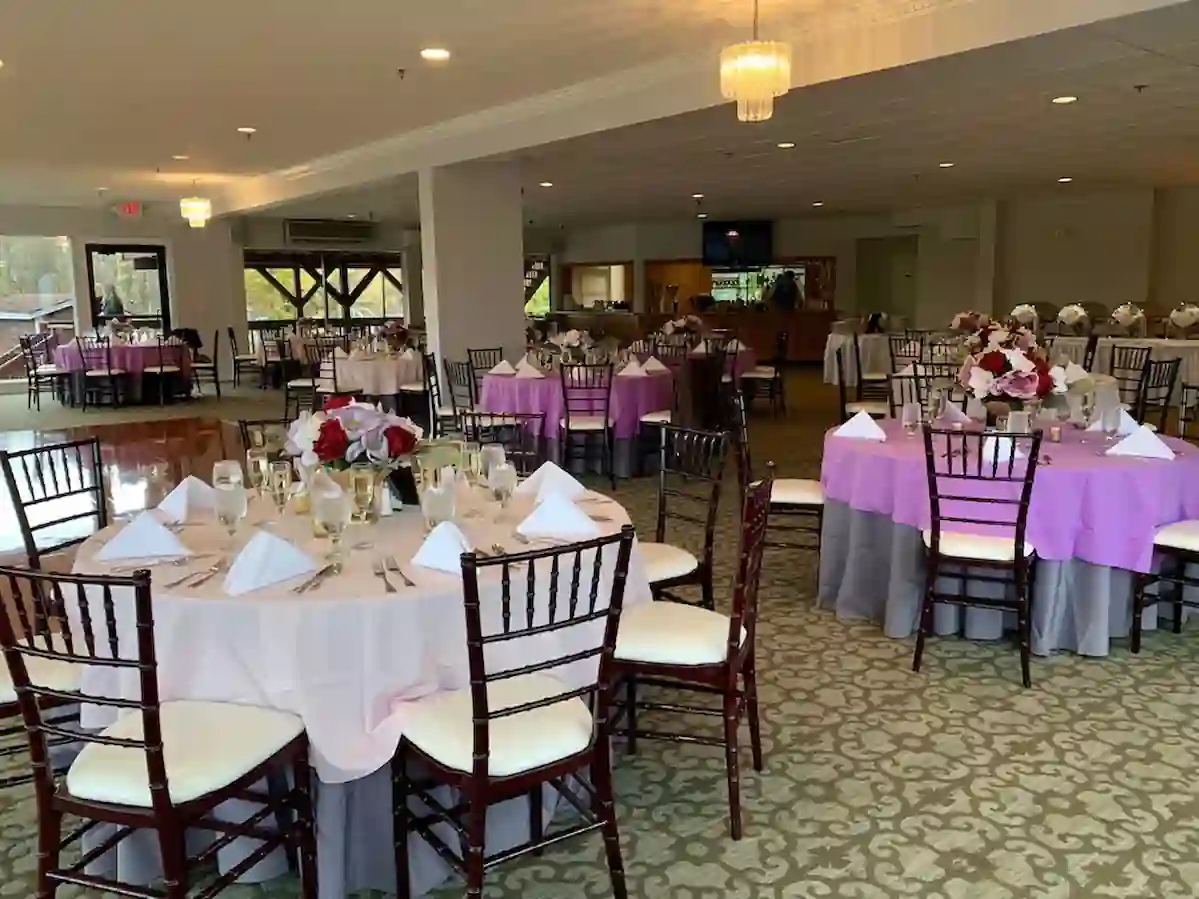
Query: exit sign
(131, 209)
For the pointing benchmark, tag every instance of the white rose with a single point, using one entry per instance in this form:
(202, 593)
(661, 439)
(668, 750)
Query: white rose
(1018, 361)
(980, 382)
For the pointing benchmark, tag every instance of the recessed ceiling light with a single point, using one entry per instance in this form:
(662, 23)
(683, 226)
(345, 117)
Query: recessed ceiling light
(697, 196)
(435, 54)
(702, 215)
(180, 157)
(246, 129)
(947, 165)
(818, 203)
(1064, 180)
(547, 183)
(351, 215)
(786, 145)
(1065, 100)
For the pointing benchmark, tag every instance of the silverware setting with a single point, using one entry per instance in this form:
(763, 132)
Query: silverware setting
(393, 565)
(195, 578)
(381, 574)
(316, 580)
(176, 562)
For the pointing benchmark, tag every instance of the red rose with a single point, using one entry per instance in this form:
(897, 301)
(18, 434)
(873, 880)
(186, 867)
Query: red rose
(337, 402)
(1044, 382)
(332, 443)
(994, 362)
(400, 441)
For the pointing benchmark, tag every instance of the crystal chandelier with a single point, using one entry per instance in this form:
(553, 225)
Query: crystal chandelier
(753, 73)
(197, 210)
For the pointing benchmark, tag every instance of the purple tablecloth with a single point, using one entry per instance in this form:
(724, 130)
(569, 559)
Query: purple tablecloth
(132, 358)
(631, 398)
(1100, 509)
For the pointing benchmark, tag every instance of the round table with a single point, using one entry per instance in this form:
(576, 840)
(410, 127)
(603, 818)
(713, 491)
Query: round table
(376, 374)
(1092, 519)
(632, 397)
(346, 657)
(130, 358)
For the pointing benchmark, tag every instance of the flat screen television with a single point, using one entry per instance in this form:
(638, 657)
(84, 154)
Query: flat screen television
(738, 245)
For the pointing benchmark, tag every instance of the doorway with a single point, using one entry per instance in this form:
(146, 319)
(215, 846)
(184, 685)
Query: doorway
(129, 281)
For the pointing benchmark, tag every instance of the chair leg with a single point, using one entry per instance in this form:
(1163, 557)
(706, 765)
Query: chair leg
(1140, 582)
(306, 828)
(1024, 623)
(707, 591)
(926, 614)
(400, 819)
(610, 447)
(1176, 587)
(476, 826)
(751, 710)
(601, 778)
(49, 833)
(536, 817)
(630, 698)
(732, 765)
(174, 860)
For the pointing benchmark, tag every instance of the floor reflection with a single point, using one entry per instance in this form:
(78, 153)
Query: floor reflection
(142, 461)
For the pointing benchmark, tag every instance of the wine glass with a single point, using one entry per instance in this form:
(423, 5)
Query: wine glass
(258, 468)
(362, 487)
(226, 472)
(231, 506)
(472, 461)
(438, 503)
(1110, 422)
(1018, 423)
(279, 484)
(910, 418)
(491, 456)
(332, 509)
(502, 481)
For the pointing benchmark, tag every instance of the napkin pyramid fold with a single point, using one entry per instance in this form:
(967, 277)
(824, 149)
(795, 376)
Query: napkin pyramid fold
(953, 413)
(632, 370)
(1144, 443)
(443, 549)
(145, 537)
(503, 368)
(1128, 424)
(190, 499)
(549, 479)
(652, 365)
(266, 560)
(701, 349)
(861, 427)
(526, 370)
(558, 517)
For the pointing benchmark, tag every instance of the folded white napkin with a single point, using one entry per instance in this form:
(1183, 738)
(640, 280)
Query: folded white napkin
(191, 499)
(1074, 372)
(143, 538)
(443, 549)
(530, 373)
(504, 368)
(701, 349)
(653, 366)
(736, 345)
(861, 427)
(908, 372)
(558, 517)
(522, 363)
(266, 560)
(1001, 450)
(632, 370)
(1142, 442)
(408, 354)
(547, 479)
(1128, 424)
(953, 413)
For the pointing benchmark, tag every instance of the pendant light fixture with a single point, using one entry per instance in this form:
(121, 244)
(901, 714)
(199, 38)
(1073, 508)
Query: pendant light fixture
(197, 210)
(753, 73)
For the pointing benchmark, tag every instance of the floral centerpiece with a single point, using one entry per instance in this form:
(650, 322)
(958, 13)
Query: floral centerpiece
(969, 320)
(1005, 365)
(1129, 318)
(1025, 315)
(1184, 317)
(1073, 316)
(688, 324)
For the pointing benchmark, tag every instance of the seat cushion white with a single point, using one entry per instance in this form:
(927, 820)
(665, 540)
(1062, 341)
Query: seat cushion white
(877, 409)
(664, 562)
(47, 369)
(246, 357)
(877, 377)
(161, 369)
(414, 387)
(103, 373)
(207, 746)
(664, 417)
(448, 411)
(796, 492)
(302, 383)
(763, 372)
(51, 673)
(982, 547)
(586, 423)
(203, 365)
(673, 633)
(1182, 535)
(323, 386)
(726, 379)
(440, 726)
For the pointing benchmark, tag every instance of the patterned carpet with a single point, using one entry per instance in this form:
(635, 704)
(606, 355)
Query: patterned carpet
(952, 784)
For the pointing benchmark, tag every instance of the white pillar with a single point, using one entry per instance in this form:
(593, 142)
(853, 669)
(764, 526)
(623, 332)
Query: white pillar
(472, 245)
(413, 272)
(639, 301)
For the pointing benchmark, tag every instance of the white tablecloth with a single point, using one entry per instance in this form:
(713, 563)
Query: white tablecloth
(876, 356)
(346, 657)
(1074, 348)
(378, 375)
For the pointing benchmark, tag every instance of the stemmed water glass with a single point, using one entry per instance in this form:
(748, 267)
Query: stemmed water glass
(229, 496)
(502, 481)
(362, 487)
(1110, 422)
(332, 509)
(258, 468)
(910, 418)
(491, 456)
(279, 485)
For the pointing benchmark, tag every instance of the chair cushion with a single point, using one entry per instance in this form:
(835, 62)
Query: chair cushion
(765, 372)
(796, 492)
(726, 379)
(207, 746)
(246, 357)
(983, 547)
(414, 387)
(876, 376)
(877, 409)
(161, 369)
(440, 726)
(673, 633)
(664, 417)
(50, 673)
(203, 365)
(1182, 535)
(448, 411)
(586, 423)
(305, 383)
(664, 562)
(47, 369)
(103, 373)
(323, 386)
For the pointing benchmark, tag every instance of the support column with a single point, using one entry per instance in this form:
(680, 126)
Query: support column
(412, 267)
(472, 245)
(987, 287)
(639, 303)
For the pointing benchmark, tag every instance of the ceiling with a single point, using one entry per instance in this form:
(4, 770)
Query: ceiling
(876, 142)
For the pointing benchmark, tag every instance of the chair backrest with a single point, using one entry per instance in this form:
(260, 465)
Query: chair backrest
(1088, 356)
(586, 391)
(95, 352)
(1128, 365)
(567, 590)
(671, 350)
(904, 389)
(939, 349)
(739, 435)
(57, 493)
(942, 376)
(905, 349)
(461, 380)
(481, 362)
(170, 351)
(1188, 410)
(519, 433)
(755, 515)
(1157, 389)
(980, 481)
(94, 620)
(432, 382)
(690, 472)
(321, 355)
(842, 392)
(34, 352)
(232, 341)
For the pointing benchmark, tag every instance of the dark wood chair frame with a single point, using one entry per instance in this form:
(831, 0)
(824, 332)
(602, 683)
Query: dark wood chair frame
(843, 390)
(1127, 365)
(1157, 391)
(240, 365)
(1089, 353)
(481, 362)
(519, 433)
(955, 466)
(248, 427)
(33, 354)
(464, 393)
(171, 352)
(98, 350)
(478, 789)
(97, 644)
(1172, 573)
(734, 678)
(212, 369)
(587, 393)
(864, 390)
(904, 349)
(775, 388)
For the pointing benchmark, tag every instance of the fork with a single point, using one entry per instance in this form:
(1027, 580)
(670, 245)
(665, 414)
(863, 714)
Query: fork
(381, 574)
(175, 563)
(393, 565)
(205, 573)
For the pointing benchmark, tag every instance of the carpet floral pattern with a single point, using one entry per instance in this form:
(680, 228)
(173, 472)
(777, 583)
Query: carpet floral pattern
(952, 784)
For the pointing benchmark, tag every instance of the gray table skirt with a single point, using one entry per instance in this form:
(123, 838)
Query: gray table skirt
(873, 568)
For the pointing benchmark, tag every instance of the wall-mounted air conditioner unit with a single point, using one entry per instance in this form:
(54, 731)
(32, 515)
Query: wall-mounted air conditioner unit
(328, 231)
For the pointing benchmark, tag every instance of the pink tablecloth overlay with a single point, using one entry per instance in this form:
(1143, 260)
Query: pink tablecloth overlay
(1085, 505)
(132, 358)
(631, 398)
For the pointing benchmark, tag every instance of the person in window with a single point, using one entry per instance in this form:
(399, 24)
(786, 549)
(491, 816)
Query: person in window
(785, 294)
(112, 306)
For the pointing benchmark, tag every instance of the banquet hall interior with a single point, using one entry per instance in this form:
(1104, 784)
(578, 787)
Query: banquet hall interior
(725, 448)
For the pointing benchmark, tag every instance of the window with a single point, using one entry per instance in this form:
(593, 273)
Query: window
(264, 302)
(370, 284)
(37, 294)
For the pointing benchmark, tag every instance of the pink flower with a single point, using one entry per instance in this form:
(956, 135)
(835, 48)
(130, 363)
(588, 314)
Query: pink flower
(964, 373)
(1019, 385)
(1025, 339)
